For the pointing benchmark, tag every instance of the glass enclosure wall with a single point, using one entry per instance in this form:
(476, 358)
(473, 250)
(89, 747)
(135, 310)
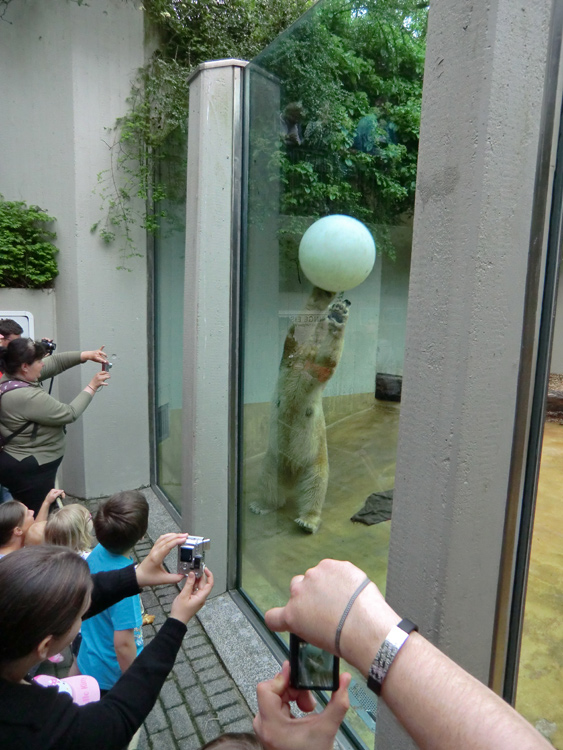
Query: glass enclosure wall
(168, 290)
(539, 695)
(332, 117)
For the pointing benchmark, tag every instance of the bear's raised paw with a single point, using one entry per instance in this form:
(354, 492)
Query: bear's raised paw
(338, 312)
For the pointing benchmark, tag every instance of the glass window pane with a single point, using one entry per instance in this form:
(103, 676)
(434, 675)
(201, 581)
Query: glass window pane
(168, 285)
(539, 696)
(332, 118)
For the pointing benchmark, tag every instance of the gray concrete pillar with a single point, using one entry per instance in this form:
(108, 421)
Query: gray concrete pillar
(482, 103)
(214, 145)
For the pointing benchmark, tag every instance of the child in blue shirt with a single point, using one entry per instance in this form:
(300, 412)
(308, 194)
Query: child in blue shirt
(112, 639)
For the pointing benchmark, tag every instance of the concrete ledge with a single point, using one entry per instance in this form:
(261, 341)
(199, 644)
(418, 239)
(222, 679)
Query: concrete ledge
(245, 655)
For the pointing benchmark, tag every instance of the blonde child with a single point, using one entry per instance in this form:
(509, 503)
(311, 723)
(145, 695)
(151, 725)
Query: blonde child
(71, 526)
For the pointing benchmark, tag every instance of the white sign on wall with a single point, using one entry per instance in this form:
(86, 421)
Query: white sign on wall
(24, 318)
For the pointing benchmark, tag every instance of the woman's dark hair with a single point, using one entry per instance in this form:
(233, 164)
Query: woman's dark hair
(20, 352)
(235, 741)
(12, 514)
(122, 521)
(42, 591)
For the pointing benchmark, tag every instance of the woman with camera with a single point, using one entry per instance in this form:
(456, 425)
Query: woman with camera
(46, 592)
(32, 423)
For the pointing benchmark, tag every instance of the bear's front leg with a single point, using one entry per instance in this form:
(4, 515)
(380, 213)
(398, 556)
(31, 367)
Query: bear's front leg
(311, 492)
(329, 339)
(271, 494)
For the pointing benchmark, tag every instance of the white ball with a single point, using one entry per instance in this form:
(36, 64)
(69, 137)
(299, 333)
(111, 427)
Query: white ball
(337, 253)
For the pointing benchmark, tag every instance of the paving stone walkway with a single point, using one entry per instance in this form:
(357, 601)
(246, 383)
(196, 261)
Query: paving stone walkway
(199, 700)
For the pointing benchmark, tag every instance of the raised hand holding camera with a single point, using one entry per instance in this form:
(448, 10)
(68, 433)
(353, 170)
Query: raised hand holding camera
(191, 555)
(94, 355)
(49, 345)
(192, 597)
(278, 729)
(311, 668)
(98, 381)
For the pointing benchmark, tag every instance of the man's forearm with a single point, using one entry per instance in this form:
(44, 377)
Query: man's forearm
(442, 706)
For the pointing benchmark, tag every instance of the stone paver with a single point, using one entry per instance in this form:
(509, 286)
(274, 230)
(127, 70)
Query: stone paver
(199, 700)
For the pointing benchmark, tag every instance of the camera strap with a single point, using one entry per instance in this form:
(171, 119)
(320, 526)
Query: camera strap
(12, 385)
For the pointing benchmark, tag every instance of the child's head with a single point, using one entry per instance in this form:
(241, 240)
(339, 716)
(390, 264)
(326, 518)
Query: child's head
(234, 741)
(43, 592)
(70, 527)
(14, 517)
(122, 521)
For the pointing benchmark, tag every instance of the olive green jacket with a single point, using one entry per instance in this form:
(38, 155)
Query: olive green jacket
(48, 415)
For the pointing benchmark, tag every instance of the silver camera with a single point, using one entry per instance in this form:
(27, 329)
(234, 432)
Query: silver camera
(191, 555)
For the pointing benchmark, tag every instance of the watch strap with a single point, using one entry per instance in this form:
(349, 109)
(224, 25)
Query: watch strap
(387, 652)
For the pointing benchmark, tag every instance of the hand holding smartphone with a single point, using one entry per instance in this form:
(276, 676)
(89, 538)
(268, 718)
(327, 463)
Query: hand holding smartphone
(311, 667)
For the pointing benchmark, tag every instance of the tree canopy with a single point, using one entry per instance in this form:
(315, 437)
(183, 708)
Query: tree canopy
(351, 82)
(351, 87)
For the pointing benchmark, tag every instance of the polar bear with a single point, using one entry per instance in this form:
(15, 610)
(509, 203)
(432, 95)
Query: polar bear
(296, 460)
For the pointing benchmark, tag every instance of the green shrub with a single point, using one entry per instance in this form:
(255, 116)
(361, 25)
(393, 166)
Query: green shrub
(27, 255)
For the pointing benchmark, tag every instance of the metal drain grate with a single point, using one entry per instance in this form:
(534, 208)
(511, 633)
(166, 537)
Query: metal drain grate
(364, 702)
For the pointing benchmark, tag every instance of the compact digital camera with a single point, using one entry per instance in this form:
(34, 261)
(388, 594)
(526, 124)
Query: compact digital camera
(191, 555)
(49, 345)
(106, 366)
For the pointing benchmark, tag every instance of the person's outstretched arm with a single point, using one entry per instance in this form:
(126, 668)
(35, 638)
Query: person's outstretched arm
(114, 585)
(439, 704)
(111, 722)
(43, 512)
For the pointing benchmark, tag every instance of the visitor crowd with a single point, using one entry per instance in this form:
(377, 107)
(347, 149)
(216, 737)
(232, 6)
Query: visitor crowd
(56, 592)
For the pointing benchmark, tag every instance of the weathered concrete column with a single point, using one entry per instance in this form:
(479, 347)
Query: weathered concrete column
(214, 145)
(482, 104)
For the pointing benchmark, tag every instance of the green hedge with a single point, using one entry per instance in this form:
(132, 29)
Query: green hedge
(27, 255)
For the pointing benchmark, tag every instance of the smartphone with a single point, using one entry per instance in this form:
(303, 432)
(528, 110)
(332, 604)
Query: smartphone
(311, 668)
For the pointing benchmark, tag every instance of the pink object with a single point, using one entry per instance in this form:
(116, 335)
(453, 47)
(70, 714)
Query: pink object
(82, 689)
(56, 659)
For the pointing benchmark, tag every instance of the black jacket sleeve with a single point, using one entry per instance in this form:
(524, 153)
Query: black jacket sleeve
(112, 722)
(111, 587)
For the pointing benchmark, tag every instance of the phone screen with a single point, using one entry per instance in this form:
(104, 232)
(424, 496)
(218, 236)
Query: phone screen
(311, 667)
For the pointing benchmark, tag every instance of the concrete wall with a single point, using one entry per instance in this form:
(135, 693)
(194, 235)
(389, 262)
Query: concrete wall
(66, 72)
(481, 113)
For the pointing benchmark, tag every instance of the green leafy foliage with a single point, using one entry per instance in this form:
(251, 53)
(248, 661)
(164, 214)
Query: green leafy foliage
(27, 255)
(191, 32)
(129, 188)
(350, 75)
(351, 86)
